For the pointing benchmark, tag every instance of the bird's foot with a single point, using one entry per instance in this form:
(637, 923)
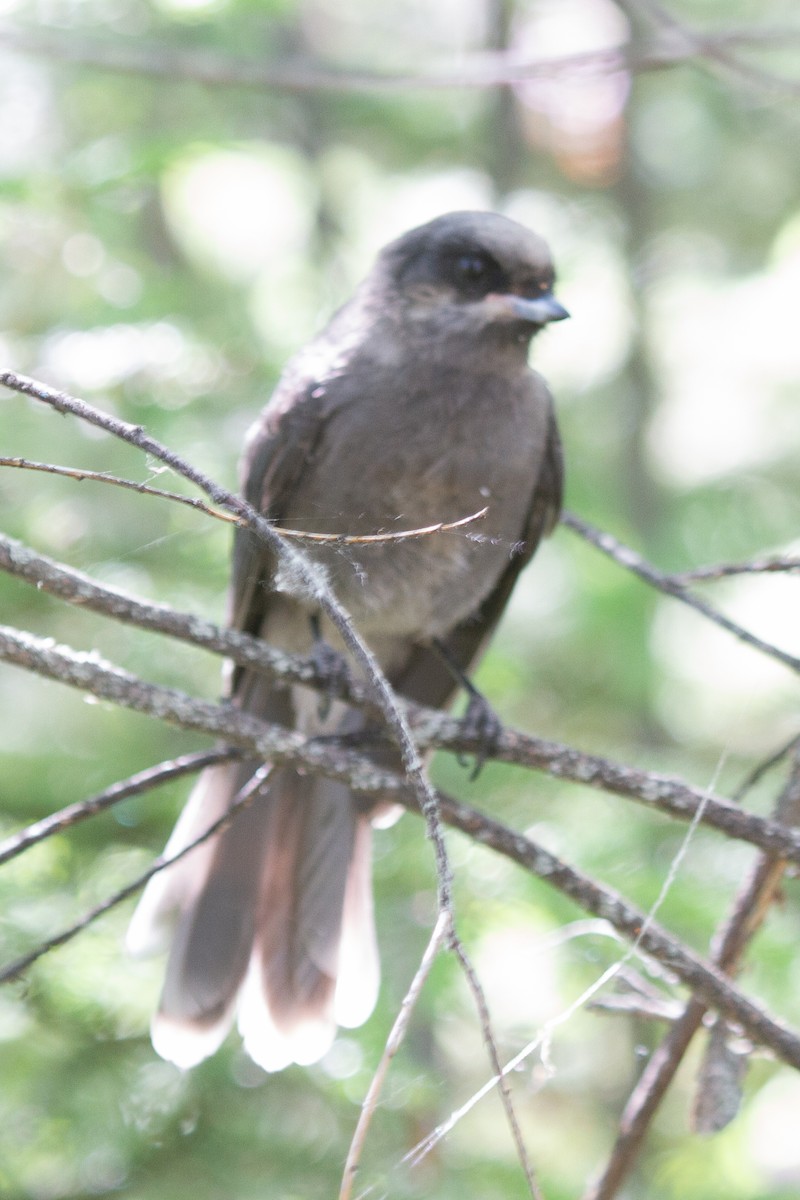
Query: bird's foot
(332, 668)
(482, 725)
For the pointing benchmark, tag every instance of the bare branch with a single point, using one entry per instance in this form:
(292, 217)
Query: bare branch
(393, 1043)
(243, 800)
(300, 535)
(144, 489)
(775, 564)
(136, 785)
(483, 72)
(717, 49)
(749, 910)
(671, 586)
(665, 793)
(759, 771)
(500, 1076)
(432, 729)
(706, 980)
(274, 743)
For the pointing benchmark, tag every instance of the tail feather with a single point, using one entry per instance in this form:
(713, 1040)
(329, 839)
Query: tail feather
(275, 918)
(359, 970)
(171, 891)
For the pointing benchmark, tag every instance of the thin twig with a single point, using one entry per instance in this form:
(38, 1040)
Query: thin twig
(145, 489)
(136, 785)
(300, 535)
(400, 535)
(243, 800)
(499, 1075)
(668, 584)
(774, 564)
(543, 1038)
(393, 1044)
(757, 774)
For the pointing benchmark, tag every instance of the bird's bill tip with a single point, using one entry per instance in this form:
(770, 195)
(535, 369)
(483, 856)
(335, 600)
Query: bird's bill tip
(535, 310)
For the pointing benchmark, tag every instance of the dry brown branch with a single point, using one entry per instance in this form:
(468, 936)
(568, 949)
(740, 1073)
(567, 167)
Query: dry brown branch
(299, 535)
(774, 564)
(749, 911)
(144, 489)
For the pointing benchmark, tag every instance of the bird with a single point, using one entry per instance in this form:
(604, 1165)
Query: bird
(415, 405)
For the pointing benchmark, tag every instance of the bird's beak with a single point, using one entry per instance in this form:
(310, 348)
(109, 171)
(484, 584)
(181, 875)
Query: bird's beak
(539, 310)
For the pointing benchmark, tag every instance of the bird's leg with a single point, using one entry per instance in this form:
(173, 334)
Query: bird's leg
(331, 666)
(480, 720)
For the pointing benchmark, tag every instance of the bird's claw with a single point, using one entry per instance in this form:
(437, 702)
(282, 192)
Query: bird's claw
(332, 667)
(481, 724)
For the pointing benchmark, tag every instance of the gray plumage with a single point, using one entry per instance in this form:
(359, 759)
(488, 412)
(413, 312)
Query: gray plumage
(414, 406)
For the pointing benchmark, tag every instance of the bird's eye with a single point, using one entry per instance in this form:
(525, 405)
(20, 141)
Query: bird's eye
(471, 267)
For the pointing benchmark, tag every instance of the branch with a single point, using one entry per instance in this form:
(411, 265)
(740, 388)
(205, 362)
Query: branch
(432, 730)
(487, 71)
(670, 585)
(244, 799)
(136, 785)
(774, 564)
(273, 743)
(299, 535)
(309, 582)
(144, 489)
(716, 49)
(706, 980)
(635, 926)
(393, 1043)
(500, 1076)
(749, 911)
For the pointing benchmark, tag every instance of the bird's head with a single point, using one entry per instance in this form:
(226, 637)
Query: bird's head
(471, 275)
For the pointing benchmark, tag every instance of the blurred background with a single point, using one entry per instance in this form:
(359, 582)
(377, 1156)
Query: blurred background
(179, 211)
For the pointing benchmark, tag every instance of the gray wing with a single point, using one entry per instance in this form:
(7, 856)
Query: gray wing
(278, 450)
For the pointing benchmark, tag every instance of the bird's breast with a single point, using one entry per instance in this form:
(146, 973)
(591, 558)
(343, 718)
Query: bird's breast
(397, 462)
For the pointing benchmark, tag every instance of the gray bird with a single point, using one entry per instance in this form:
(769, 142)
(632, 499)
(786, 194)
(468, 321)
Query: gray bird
(414, 406)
